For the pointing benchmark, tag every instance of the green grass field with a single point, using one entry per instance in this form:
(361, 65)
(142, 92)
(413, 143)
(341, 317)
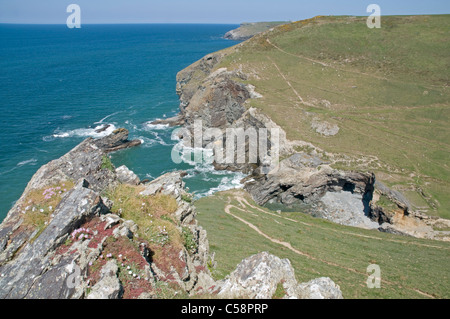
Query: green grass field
(410, 267)
(386, 89)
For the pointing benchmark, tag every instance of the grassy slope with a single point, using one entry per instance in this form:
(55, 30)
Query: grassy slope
(387, 90)
(410, 268)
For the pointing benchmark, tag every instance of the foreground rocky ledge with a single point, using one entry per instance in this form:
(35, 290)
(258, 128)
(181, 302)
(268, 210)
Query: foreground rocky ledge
(70, 236)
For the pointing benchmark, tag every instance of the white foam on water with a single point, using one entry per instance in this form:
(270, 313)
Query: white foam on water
(206, 171)
(154, 140)
(227, 183)
(85, 132)
(31, 161)
(156, 127)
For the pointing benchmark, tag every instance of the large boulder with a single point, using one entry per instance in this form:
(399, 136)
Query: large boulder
(320, 288)
(127, 176)
(259, 277)
(109, 286)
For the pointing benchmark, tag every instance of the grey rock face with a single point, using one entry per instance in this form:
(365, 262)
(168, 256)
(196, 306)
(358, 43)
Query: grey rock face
(109, 286)
(26, 273)
(346, 208)
(126, 176)
(83, 162)
(320, 288)
(168, 184)
(189, 79)
(218, 103)
(258, 276)
(299, 180)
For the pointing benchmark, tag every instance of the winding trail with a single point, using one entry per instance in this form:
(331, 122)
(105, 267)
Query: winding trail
(289, 84)
(244, 208)
(243, 202)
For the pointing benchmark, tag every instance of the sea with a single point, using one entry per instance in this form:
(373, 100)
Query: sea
(58, 86)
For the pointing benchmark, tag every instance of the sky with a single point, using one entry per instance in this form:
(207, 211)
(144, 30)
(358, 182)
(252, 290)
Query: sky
(204, 11)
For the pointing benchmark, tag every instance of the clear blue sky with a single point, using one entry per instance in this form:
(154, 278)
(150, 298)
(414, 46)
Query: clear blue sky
(204, 11)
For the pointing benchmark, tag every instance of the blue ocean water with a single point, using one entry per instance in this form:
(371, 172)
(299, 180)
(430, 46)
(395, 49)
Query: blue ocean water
(58, 84)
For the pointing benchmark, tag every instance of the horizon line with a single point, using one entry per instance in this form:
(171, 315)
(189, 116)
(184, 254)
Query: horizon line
(115, 23)
(216, 23)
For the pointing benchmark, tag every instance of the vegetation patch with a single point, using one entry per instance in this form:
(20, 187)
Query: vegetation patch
(107, 164)
(39, 205)
(157, 226)
(152, 214)
(385, 203)
(189, 241)
(280, 292)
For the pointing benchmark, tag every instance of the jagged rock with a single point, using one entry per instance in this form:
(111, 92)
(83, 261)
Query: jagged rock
(296, 181)
(188, 80)
(24, 275)
(324, 128)
(127, 229)
(103, 128)
(111, 220)
(258, 276)
(116, 141)
(219, 103)
(172, 184)
(177, 120)
(320, 288)
(85, 161)
(168, 184)
(127, 176)
(109, 286)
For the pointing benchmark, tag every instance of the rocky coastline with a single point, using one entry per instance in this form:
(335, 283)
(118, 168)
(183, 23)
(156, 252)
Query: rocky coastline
(86, 229)
(69, 236)
(219, 98)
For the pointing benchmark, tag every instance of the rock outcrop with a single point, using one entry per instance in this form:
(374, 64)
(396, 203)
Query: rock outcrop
(126, 176)
(300, 178)
(84, 162)
(259, 277)
(79, 248)
(109, 286)
(36, 271)
(116, 141)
